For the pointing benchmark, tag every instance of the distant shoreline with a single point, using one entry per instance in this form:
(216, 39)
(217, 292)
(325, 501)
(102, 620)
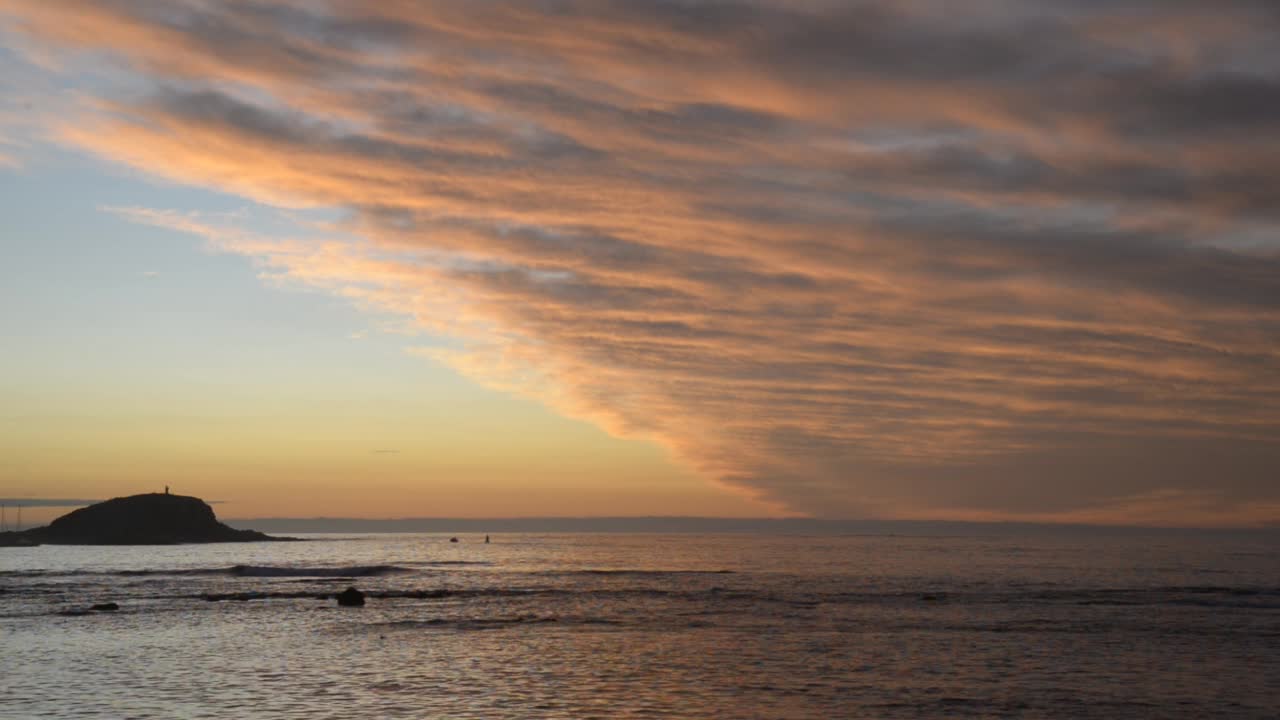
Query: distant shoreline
(687, 525)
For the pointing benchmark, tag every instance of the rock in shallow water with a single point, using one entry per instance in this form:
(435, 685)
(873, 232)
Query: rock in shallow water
(351, 597)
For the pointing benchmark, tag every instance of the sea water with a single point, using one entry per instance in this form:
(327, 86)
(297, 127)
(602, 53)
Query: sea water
(647, 626)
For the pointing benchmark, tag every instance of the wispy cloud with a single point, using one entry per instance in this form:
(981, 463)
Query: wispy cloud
(855, 258)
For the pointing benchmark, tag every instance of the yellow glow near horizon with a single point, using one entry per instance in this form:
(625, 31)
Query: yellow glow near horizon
(369, 448)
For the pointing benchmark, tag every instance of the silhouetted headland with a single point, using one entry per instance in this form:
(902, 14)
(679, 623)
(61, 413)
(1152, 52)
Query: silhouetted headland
(149, 519)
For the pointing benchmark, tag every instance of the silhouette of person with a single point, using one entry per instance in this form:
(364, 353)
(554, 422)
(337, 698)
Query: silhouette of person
(486, 539)
(166, 489)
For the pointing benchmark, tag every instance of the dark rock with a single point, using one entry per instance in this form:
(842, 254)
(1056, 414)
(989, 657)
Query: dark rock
(350, 597)
(105, 607)
(151, 519)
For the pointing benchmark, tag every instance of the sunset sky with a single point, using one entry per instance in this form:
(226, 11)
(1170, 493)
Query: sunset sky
(1000, 259)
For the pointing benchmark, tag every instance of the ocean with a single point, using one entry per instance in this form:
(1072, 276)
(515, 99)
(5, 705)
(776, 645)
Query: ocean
(1147, 625)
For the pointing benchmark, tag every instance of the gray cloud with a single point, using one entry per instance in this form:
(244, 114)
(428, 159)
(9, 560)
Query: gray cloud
(855, 258)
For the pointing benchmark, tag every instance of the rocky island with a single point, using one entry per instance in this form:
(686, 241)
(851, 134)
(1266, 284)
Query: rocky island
(149, 519)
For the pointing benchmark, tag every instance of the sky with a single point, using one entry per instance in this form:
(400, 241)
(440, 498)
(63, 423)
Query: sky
(900, 260)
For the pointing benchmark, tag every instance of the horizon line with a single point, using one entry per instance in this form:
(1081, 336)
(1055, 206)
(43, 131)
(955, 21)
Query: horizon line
(832, 523)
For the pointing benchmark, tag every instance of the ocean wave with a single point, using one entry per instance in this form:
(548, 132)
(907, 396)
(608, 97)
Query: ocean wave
(718, 601)
(635, 573)
(494, 623)
(1241, 596)
(247, 595)
(253, 582)
(270, 571)
(144, 573)
(431, 594)
(238, 570)
(19, 574)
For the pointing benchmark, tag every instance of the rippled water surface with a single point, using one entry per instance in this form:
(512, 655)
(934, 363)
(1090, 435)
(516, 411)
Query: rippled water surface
(630, 626)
